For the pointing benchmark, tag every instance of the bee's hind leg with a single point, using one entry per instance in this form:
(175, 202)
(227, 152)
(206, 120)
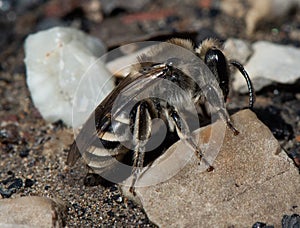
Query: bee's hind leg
(142, 123)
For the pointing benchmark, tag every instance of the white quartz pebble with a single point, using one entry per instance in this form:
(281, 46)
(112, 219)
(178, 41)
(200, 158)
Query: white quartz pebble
(270, 63)
(56, 60)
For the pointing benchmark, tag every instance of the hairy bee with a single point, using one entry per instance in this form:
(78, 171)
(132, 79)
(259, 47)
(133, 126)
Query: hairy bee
(166, 84)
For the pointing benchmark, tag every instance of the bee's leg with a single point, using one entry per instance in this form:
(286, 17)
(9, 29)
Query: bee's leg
(225, 116)
(138, 160)
(185, 134)
(217, 107)
(142, 123)
(232, 128)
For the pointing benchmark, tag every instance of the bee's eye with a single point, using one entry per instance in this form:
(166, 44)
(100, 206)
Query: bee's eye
(214, 55)
(217, 63)
(173, 61)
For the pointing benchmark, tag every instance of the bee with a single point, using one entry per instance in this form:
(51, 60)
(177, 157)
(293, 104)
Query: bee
(121, 128)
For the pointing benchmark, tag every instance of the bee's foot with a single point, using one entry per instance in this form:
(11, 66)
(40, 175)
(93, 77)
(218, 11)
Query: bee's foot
(210, 168)
(232, 128)
(132, 190)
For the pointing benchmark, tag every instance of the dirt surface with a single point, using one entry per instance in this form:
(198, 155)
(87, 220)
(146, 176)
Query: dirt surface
(33, 152)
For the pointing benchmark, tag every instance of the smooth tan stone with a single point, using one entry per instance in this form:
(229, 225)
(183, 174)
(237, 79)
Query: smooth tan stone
(31, 211)
(253, 180)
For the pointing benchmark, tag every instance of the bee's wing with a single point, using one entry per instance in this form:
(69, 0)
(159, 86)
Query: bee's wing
(100, 120)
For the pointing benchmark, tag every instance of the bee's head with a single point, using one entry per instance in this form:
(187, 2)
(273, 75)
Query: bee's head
(210, 51)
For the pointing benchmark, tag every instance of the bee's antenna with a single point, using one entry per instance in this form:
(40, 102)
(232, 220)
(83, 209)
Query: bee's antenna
(247, 78)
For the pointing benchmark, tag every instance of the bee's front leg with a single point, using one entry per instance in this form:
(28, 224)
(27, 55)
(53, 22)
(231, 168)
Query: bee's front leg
(141, 123)
(225, 116)
(216, 107)
(184, 133)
